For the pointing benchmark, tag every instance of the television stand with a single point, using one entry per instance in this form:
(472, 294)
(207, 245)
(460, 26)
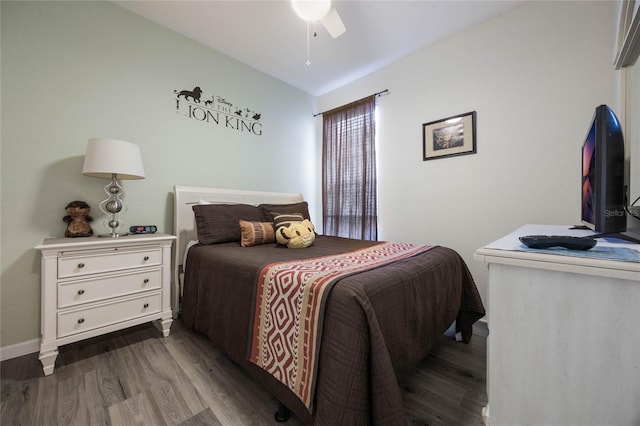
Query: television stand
(581, 227)
(563, 341)
(626, 236)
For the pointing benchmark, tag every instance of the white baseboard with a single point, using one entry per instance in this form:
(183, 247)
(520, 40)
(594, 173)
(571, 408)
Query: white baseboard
(19, 349)
(30, 346)
(481, 328)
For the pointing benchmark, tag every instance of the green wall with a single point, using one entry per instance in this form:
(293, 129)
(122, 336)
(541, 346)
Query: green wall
(76, 70)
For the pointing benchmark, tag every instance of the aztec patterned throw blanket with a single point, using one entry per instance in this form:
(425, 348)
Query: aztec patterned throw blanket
(290, 296)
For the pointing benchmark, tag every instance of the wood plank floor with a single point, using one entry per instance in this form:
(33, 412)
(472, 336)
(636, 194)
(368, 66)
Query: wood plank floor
(137, 377)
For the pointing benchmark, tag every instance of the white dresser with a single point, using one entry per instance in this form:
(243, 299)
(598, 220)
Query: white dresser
(564, 339)
(92, 286)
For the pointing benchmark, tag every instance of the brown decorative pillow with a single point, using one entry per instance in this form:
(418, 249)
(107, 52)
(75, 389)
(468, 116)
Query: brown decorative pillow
(218, 223)
(268, 210)
(254, 233)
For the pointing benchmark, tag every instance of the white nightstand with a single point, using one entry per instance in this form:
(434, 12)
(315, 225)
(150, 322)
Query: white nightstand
(92, 286)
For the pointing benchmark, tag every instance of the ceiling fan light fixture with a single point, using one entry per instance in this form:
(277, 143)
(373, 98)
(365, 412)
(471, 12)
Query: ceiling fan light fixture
(311, 10)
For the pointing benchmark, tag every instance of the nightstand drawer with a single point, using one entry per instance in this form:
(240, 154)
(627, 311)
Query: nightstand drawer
(80, 320)
(71, 265)
(91, 290)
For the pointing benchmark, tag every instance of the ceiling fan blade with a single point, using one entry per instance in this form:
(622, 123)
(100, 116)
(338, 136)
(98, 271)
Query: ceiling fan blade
(333, 23)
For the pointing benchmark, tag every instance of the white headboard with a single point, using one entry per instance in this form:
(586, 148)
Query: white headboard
(184, 227)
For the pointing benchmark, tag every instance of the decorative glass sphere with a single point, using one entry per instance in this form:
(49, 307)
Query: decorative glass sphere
(113, 206)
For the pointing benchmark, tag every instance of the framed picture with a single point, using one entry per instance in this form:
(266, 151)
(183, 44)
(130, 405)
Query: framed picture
(450, 136)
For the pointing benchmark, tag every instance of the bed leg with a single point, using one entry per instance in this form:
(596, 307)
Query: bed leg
(283, 413)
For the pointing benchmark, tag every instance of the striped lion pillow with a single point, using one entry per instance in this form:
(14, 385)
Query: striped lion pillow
(254, 233)
(285, 219)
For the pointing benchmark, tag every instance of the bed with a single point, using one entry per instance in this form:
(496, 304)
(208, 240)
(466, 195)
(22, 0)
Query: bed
(374, 324)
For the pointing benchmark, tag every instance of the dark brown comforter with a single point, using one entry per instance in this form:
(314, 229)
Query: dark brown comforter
(378, 324)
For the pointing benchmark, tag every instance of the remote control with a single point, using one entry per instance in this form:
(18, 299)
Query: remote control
(548, 241)
(143, 229)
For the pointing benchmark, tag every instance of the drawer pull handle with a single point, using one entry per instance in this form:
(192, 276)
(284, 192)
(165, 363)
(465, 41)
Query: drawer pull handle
(146, 305)
(146, 280)
(80, 265)
(146, 258)
(81, 320)
(80, 292)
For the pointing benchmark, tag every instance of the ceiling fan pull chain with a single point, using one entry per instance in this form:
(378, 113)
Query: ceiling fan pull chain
(308, 54)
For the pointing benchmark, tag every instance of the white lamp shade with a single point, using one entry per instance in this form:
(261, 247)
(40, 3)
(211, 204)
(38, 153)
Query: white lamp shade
(108, 156)
(311, 10)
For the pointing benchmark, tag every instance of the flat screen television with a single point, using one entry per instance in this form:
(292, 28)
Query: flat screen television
(603, 187)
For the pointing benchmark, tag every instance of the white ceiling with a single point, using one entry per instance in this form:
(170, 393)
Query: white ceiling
(269, 36)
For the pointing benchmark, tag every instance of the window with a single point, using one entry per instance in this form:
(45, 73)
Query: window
(349, 188)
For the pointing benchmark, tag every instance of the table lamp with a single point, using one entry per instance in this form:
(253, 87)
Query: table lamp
(113, 159)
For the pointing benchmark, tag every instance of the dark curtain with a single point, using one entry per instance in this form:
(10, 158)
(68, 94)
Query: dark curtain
(349, 200)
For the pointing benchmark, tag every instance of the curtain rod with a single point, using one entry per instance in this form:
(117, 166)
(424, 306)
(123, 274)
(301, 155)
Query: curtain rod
(380, 93)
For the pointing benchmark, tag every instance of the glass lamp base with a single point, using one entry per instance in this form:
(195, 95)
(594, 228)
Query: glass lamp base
(111, 207)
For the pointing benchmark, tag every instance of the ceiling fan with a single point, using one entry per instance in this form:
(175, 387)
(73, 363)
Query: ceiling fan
(320, 10)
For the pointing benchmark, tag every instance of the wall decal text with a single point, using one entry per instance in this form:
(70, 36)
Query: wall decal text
(216, 109)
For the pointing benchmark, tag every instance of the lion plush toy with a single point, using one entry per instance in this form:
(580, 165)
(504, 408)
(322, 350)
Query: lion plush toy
(296, 234)
(77, 220)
